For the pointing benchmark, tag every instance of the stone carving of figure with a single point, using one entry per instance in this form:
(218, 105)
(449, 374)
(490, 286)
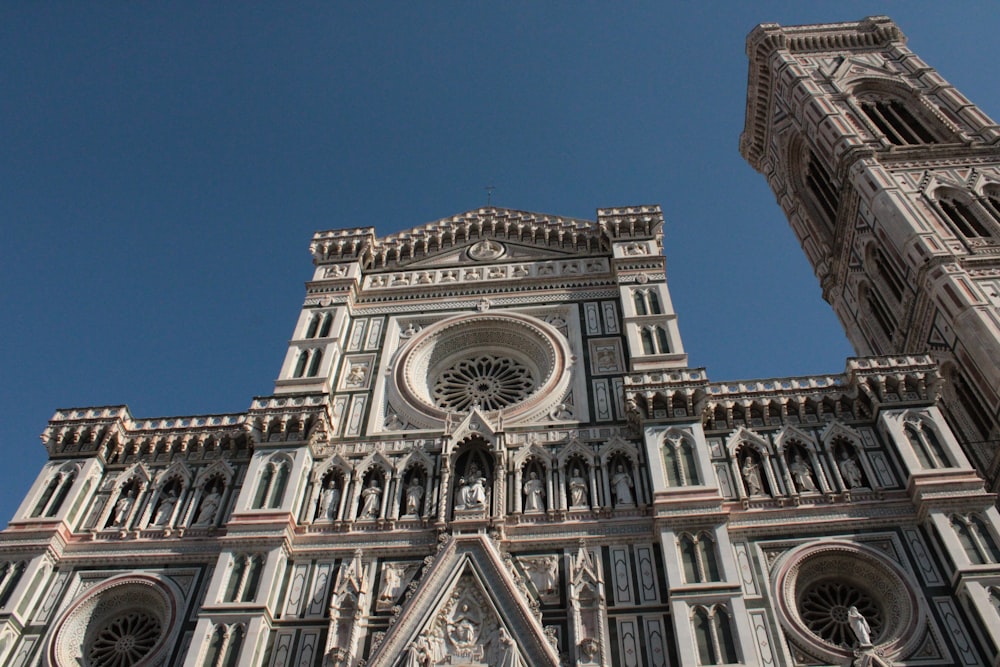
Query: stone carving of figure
(329, 500)
(851, 471)
(209, 506)
(390, 584)
(507, 649)
(356, 376)
(415, 656)
(534, 491)
(414, 494)
(751, 475)
(859, 626)
(577, 489)
(471, 492)
(622, 486)
(802, 474)
(463, 630)
(166, 509)
(371, 498)
(123, 508)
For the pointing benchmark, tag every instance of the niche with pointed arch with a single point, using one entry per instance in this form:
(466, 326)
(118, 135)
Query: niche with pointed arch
(497, 362)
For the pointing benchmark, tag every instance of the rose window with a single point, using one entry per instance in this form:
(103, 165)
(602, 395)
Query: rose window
(824, 608)
(496, 361)
(489, 381)
(124, 640)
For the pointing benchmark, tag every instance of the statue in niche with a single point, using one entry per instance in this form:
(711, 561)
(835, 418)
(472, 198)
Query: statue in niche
(802, 474)
(329, 501)
(471, 492)
(621, 486)
(371, 499)
(534, 492)
(851, 471)
(859, 626)
(209, 507)
(414, 494)
(124, 507)
(166, 508)
(751, 475)
(577, 489)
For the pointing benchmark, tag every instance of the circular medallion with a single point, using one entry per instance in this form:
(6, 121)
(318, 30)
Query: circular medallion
(486, 249)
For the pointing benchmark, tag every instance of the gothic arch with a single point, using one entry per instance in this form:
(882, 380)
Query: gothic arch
(743, 436)
(575, 449)
(792, 433)
(615, 446)
(533, 450)
(899, 113)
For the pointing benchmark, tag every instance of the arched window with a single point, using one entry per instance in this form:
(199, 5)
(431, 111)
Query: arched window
(280, 482)
(875, 306)
(648, 346)
(317, 357)
(264, 486)
(224, 646)
(926, 445)
(640, 302)
(10, 575)
(662, 343)
(324, 330)
(992, 203)
(824, 193)
(300, 364)
(984, 536)
(962, 216)
(679, 463)
(894, 120)
(654, 302)
(313, 326)
(244, 578)
(714, 636)
(969, 543)
(889, 277)
(699, 559)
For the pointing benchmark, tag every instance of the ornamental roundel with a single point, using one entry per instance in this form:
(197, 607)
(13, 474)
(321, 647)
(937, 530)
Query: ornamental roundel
(816, 585)
(125, 622)
(493, 361)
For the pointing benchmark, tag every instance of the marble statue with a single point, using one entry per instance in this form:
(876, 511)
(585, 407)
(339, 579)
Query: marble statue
(802, 474)
(751, 475)
(859, 626)
(534, 492)
(622, 485)
(123, 508)
(209, 507)
(166, 509)
(371, 499)
(414, 494)
(577, 489)
(329, 500)
(471, 490)
(851, 471)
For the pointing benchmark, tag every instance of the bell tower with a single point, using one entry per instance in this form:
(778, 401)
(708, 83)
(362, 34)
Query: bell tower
(890, 179)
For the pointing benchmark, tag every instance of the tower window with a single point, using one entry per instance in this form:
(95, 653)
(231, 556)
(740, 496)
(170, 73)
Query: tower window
(647, 302)
(963, 217)
(821, 186)
(897, 123)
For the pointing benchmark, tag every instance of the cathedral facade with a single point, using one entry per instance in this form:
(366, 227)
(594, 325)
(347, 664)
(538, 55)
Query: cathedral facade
(486, 446)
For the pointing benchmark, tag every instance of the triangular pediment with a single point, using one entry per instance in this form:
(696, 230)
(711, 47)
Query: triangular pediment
(487, 236)
(467, 609)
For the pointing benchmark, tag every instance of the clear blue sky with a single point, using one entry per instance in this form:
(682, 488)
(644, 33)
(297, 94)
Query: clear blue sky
(165, 164)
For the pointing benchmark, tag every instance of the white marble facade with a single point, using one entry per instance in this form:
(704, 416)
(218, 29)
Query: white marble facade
(486, 446)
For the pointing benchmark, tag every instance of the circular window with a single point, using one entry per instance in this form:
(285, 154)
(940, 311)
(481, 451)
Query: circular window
(507, 362)
(126, 622)
(816, 585)
(486, 380)
(124, 640)
(824, 607)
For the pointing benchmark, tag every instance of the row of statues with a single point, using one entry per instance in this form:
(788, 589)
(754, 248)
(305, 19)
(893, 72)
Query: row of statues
(166, 504)
(802, 474)
(472, 493)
